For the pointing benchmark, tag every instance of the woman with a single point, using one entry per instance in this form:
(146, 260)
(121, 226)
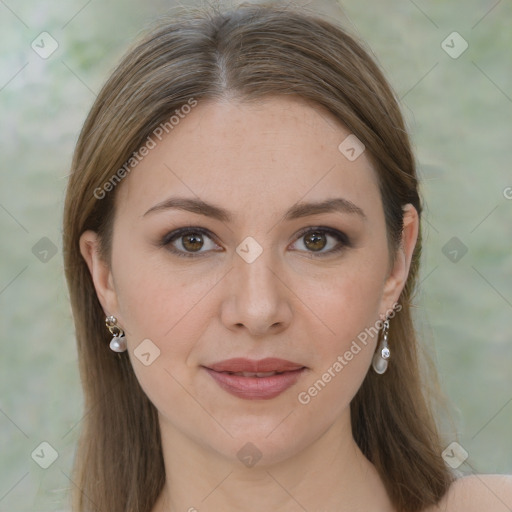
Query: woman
(242, 224)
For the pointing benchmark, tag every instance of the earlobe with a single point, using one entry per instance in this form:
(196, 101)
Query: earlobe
(100, 272)
(400, 271)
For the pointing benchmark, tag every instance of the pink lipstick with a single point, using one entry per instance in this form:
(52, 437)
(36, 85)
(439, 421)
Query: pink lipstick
(255, 380)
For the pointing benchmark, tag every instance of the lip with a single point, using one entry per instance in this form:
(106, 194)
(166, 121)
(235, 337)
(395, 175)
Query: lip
(255, 388)
(240, 364)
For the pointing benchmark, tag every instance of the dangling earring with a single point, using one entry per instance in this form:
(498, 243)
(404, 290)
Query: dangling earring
(380, 358)
(118, 342)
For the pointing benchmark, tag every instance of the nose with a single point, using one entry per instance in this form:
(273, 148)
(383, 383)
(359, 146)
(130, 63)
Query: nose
(257, 297)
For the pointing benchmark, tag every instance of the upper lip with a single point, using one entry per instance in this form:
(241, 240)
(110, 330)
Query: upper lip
(240, 364)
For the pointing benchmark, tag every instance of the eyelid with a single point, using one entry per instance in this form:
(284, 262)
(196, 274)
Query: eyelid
(170, 237)
(176, 234)
(330, 231)
(185, 230)
(342, 238)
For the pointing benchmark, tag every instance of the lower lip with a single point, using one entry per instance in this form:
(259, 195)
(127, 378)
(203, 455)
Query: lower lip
(256, 388)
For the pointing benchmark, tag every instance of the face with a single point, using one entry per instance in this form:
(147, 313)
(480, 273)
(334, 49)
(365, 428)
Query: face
(270, 278)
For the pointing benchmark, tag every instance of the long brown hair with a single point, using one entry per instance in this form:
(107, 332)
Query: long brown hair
(246, 53)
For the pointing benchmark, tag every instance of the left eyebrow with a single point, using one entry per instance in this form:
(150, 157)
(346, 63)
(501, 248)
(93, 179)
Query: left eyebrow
(297, 211)
(338, 204)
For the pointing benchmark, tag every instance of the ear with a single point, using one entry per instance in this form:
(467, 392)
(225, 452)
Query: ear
(397, 278)
(100, 272)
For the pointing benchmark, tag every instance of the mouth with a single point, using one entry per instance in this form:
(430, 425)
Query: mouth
(245, 379)
(262, 366)
(251, 374)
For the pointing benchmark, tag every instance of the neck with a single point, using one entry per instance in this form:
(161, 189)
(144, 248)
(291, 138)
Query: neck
(331, 475)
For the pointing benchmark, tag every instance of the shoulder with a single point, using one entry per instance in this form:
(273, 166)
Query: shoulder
(490, 493)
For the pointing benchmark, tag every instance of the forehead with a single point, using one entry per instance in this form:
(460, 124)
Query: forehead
(264, 154)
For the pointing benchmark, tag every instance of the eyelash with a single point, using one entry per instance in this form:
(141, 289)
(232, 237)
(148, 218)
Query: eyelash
(342, 238)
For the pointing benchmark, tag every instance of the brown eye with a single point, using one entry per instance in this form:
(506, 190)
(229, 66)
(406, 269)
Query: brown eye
(189, 242)
(192, 242)
(315, 241)
(321, 242)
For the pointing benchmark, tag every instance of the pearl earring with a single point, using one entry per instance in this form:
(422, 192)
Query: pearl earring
(381, 357)
(118, 342)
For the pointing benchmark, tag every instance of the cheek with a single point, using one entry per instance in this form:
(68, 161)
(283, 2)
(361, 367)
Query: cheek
(166, 306)
(169, 302)
(351, 300)
(350, 306)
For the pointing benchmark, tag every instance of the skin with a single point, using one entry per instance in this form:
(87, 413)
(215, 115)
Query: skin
(289, 303)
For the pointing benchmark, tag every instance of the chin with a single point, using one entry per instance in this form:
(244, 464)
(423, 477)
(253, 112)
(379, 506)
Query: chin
(264, 441)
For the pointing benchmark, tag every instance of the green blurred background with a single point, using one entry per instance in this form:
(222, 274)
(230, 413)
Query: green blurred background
(459, 111)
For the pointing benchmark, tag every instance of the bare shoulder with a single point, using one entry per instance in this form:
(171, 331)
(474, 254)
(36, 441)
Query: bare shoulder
(477, 493)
